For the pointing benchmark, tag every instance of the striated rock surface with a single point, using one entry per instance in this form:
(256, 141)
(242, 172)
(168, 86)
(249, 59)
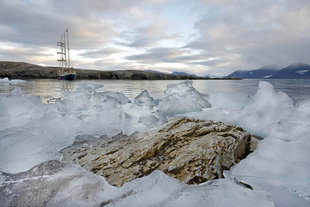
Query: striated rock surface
(190, 150)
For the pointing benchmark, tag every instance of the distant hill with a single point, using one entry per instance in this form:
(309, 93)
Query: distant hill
(22, 70)
(183, 73)
(294, 71)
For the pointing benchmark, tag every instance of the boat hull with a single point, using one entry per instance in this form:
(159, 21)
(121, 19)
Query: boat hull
(67, 77)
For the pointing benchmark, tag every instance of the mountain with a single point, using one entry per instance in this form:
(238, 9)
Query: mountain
(183, 73)
(261, 73)
(293, 71)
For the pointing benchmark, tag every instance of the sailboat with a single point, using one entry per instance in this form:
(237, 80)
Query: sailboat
(66, 71)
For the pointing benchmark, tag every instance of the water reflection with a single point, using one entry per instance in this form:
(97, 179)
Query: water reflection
(49, 90)
(132, 88)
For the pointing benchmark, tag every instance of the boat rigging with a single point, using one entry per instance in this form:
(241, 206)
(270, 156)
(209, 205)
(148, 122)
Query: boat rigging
(66, 71)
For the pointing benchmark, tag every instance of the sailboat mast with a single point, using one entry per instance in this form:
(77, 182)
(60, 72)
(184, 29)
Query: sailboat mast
(61, 53)
(65, 50)
(60, 62)
(69, 64)
(65, 73)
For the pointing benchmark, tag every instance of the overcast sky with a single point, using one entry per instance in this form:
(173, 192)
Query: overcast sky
(206, 37)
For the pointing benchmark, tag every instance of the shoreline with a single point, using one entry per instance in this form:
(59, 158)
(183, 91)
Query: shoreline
(22, 70)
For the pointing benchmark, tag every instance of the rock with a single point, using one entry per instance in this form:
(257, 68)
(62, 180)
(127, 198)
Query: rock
(190, 150)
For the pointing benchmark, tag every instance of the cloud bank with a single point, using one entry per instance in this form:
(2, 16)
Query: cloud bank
(205, 37)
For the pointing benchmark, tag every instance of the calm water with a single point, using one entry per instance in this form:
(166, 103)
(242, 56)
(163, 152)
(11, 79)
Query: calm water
(51, 89)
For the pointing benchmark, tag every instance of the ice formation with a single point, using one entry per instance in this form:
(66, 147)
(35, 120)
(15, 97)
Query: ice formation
(37, 131)
(281, 163)
(265, 110)
(14, 81)
(180, 99)
(32, 132)
(144, 99)
(4, 80)
(69, 185)
(259, 115)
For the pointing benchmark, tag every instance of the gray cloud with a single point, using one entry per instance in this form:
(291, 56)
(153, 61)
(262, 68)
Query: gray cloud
(228, 35)
(169, 55)
(211, 62)
(149, 36)
(157, 55)
(255, 33)
(101, 52)
(32, 23)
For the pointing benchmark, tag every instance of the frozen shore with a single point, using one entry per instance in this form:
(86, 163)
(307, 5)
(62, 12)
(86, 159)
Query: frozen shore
(32, 133)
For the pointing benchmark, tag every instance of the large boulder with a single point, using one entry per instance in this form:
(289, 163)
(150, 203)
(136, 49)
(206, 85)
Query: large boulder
(190, 150)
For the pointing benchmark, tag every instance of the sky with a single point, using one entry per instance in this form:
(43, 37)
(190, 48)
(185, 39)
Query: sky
(205, 37)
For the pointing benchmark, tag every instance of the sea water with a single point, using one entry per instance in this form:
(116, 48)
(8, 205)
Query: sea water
(50, 88)
(40, 117)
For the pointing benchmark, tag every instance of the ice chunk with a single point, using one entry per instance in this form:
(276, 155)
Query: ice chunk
(32, 132)
(4, 80)
(101, 112)
(228, 101)
(83, 103)
(14, 81)
(84, 138)
(158, 189)
(54, 184)
(281, 161)
(259, 116)
(265, 110)
(88, 86)
(144, 99)
(179, 99)
(18, 109)
(149, 120)
(120, 97)
(22, 149)
(143, 115)
(58, 184)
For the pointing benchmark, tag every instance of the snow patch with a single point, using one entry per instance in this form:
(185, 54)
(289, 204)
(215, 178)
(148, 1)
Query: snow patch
(268, 76)
(301, 72)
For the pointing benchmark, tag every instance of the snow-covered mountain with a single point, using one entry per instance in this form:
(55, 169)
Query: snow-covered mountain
(293, 71)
